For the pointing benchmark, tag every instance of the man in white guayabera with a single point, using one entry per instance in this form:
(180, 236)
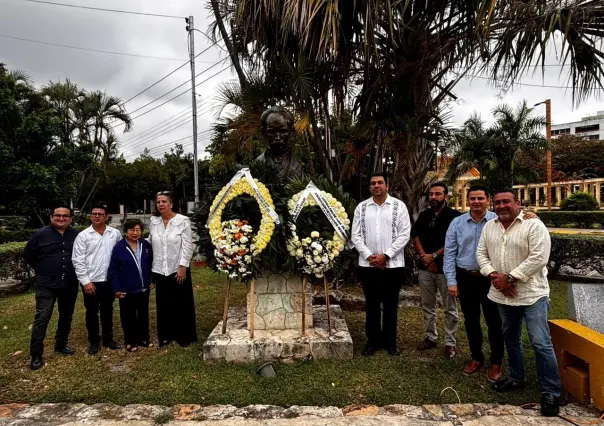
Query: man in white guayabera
(380, 231)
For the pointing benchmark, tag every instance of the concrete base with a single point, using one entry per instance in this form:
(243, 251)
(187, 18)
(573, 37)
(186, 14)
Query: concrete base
(279, 345)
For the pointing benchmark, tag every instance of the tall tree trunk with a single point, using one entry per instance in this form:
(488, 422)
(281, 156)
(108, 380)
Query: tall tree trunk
(229, 45)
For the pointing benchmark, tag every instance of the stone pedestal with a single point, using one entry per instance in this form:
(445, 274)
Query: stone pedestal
(585, 301)
(278, 303)
(279, 345)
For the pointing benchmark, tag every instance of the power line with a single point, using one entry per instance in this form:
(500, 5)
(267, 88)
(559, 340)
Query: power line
(158, 125)
(172, 90)
(167, 144)
(177, 96)
(109, 52)
(156, 83)
(157, 15)
(524, 84)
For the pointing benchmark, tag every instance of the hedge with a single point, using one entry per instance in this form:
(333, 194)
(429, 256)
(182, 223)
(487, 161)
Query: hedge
(578, 252)
(12, 264)
(7, 236)
(586, 220)
(13, 222)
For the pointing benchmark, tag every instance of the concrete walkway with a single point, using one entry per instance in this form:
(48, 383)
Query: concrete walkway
(577, 231)
(267, 415)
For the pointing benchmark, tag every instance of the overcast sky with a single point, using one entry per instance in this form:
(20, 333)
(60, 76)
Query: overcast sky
(125, 76)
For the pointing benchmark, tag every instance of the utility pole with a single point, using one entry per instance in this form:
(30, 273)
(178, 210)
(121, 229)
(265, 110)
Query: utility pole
(191, 31)
(548, 154)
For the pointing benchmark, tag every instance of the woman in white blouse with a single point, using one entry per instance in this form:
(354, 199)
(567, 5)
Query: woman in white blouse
(172, 242)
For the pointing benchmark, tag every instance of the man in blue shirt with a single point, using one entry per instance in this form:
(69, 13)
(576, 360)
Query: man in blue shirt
(465, 281)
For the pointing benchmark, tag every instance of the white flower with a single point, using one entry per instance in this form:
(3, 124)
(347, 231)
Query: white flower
(243, 240)
(314, 234)
(299, 252)
(317, 259)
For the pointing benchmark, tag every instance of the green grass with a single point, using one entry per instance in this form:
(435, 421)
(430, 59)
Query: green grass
(175, 375)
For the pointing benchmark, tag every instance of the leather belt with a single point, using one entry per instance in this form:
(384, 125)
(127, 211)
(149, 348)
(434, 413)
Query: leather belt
(473, 273)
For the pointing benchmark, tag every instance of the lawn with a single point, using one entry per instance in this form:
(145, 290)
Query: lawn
(174, 375)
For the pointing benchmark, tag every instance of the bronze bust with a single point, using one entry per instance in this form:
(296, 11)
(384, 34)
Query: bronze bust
(277, 128)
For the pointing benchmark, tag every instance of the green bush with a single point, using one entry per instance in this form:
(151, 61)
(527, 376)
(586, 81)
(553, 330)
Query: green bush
(8, 236)
(12, 264)
(560, 219)
(580, 202)
(577, 252)
(12, 222)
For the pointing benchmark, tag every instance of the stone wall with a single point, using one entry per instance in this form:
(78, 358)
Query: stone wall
(278, 303)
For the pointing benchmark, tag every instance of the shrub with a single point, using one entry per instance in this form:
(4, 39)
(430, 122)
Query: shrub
(9, 236)
(580, 201)
(13, 222)
(12, 264)
(576, 252)
(560, 219)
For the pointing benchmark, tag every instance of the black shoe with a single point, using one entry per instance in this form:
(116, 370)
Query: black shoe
(394, 351)
(550, 406)
(113, 345)
(164, 343)
(144, 344)
(369, 350)
(507, 385)
(93, 348)
(36, 363)
(65, 350)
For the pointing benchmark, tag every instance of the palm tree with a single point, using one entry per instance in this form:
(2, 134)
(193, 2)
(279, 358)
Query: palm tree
(492, 151)
(63, 98)
(397, 62)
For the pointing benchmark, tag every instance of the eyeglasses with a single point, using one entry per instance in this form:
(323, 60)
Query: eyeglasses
(61, 216)
(134, 230)
(163, 193)
(97, 214)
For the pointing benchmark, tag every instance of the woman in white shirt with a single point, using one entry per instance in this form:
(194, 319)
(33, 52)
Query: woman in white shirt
(172, 242)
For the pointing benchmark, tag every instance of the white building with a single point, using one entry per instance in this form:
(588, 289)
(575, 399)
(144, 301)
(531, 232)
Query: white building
(589, 127)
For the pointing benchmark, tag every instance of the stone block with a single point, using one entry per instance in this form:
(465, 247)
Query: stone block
(360, 410)
(216, 412)
(184, 412)
(313, 412)
(279, 345)
(10, 410)
(585, 301)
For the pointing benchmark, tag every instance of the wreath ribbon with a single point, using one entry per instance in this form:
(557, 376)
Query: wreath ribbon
(245, 172)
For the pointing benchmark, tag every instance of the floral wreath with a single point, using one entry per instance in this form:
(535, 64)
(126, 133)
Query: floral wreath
(331, 248)
(267, 224)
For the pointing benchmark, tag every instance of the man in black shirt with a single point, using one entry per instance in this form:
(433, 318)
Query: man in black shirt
(428, 233)
(48, 251)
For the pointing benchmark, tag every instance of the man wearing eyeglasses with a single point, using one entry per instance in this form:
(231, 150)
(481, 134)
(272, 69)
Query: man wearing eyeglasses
(428, 233)
(48, 252)
(91, 255)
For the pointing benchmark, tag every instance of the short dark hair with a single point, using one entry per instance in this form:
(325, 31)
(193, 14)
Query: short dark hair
(442, 185)
(131, 223)
(61, 206)
(99, 207)
(279, 110)
(478, 188)
(505, 191)
(381, 174)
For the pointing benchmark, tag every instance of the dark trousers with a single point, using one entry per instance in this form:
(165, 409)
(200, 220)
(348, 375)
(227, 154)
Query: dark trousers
(100, 302)
(134, 315)
(473, 291)
(45, 302)
(175, 308)
(381, 288)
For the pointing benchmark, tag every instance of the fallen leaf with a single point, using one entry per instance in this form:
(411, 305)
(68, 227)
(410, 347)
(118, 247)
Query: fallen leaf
(5, 327)
(17, 353)
(31, 326)
(333, 384)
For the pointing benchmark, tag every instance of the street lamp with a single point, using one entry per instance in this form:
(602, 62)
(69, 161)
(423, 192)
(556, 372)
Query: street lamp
(548, 154)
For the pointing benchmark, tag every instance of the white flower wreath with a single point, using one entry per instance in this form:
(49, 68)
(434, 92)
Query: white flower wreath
(316, 255)
(267, 224)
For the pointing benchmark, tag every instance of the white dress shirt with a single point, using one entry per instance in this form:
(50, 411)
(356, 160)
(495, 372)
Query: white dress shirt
(92, 253)
(522, 251)
(381, 229)
(172, 244)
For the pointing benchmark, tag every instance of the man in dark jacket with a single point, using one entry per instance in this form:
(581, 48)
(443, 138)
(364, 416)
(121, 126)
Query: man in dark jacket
(48, 251)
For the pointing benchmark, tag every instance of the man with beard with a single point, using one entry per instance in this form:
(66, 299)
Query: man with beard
(513, 252)
(428, 235)
(380, 232)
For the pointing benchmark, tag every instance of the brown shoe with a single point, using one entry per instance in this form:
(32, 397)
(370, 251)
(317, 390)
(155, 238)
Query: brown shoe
(450, 352)
(426, 344)
(471, 367)
(494, 373)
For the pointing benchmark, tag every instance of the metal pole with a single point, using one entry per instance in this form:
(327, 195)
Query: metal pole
(191, 30)
(548, 155)
(225, 314)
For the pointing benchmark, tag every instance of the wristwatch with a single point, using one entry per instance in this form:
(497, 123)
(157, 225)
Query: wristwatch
(434, 255)
(510, 279)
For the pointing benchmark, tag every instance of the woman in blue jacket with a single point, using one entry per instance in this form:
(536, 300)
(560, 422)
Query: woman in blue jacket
(130, 277)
